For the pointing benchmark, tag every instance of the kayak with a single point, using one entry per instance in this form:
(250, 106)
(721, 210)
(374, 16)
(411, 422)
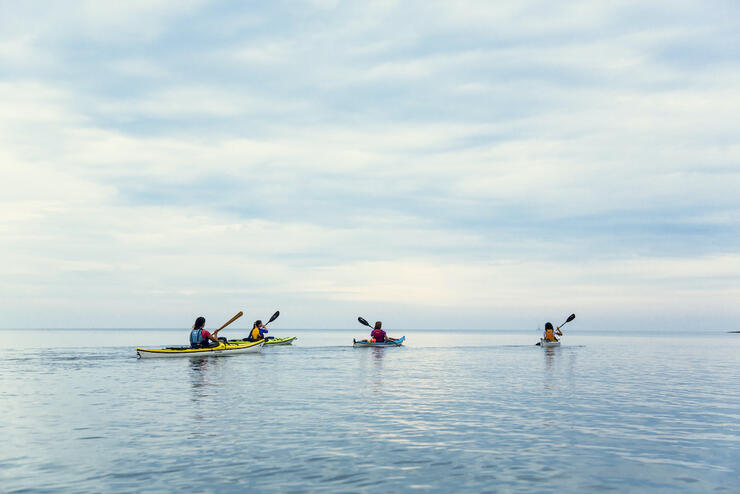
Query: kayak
(547, 343)
(397, 342)
(281, 341)
(272, 341)
(222, 350)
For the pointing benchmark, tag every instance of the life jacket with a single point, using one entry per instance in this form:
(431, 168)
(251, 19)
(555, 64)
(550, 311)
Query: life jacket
(550, 335)
(196, 338)
(378, 335)
(256, 334)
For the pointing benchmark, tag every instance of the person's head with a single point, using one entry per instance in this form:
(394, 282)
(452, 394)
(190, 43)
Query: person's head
(548, 325)
(258, 323)
(199, 323)
(378, 325)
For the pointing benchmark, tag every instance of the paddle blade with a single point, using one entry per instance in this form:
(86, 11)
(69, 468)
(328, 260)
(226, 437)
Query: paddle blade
(274, 316)
(570, 318)
(363, 321)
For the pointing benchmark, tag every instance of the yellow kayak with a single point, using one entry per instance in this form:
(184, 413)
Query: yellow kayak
(222, 350)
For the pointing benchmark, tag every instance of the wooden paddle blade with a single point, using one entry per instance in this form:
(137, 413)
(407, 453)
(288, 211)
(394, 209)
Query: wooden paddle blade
(363, 321)
(240, 314)
(274, 316)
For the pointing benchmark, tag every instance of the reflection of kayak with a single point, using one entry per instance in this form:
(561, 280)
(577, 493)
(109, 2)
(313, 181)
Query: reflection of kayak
(397, 342)
(272, 341)
(223, 349)
(546, 343)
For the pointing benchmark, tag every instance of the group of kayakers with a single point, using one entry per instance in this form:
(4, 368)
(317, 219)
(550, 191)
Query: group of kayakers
(202, 338)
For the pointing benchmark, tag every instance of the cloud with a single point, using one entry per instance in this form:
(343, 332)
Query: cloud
(416, 159)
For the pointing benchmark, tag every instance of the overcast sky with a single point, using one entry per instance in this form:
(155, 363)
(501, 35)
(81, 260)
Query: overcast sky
(467, 164)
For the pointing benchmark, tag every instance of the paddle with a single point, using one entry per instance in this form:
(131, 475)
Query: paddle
(274, 316)
(570, 318)
(237, 316)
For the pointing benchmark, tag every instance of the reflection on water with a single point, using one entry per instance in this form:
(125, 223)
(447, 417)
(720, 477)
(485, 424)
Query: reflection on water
(201, 369)
(377, 377)
(199, 373)
(550, 353)
(619, 413)
(371, 360)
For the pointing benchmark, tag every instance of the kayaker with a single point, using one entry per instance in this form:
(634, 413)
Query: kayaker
(201, 338)
(550, 332)
(258, 331)
(377, 335)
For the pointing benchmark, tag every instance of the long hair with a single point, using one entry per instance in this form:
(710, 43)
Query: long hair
(548, 325)
(257, 323)
(199, 323)
(378, 325)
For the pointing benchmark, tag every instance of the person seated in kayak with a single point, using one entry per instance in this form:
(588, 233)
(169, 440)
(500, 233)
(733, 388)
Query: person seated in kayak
(258, 332)
(377, 335)
(200, 338)
(550, 332)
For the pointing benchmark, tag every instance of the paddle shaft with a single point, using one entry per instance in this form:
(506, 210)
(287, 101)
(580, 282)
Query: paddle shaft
(237, 316)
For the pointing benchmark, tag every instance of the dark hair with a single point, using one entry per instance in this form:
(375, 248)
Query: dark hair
(257, 323)
(378, 325)
(199, 323)
(548, 325)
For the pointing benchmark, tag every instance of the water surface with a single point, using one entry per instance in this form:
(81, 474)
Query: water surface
(475, 412)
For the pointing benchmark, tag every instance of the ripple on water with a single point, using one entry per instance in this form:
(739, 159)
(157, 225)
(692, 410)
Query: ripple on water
(622, 416)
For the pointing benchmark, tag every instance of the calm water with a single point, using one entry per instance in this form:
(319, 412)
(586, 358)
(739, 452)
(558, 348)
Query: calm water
(478, 412)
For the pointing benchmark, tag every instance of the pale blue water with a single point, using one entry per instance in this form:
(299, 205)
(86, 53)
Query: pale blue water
(475, 413)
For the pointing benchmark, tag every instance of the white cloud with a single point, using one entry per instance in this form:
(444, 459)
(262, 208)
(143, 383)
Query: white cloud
(358, 158)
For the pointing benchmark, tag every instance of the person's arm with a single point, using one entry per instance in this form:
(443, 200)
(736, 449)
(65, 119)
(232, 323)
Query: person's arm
(214, 337)
(557, 330)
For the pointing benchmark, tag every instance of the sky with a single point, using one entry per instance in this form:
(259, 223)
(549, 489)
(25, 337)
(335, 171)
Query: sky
(431, 164)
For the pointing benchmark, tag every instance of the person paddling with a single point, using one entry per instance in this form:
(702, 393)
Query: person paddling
(201, 338)
(377, 335)
(550, 332)
(258, 331)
